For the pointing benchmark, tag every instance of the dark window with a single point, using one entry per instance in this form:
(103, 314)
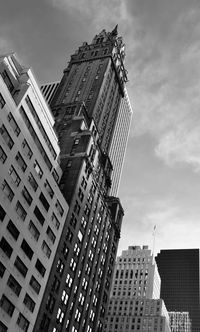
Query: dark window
(14, 176)
(3, 156)
(50, 303)
(27, 249)
(7, 306)
(2, 270)
(2, 101)
(20, 211)
(46, 249)
(14, 285)
(59, 208)
(27, 150)
(2, 213)
(51, 235)
(55, 175)
(21, 267)
(40, 267)
(33, 230)
(13, 124)
(21, 162)
(44, 201)
(7, 81)
(55, 285)
(49, 189)
(7, 190)
(27, 196)
(7, 249)
(44, 325)
(3, 327)
(32, 182)
(7, 138)
(29, 303)
(13, 230)
(55, 221)
(22, 322)
(35, 284)
(39, 215)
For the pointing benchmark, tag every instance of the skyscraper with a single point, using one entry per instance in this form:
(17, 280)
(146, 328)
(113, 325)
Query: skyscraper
(135, 303)
(180, 289)
(86, 109)
(32, 207)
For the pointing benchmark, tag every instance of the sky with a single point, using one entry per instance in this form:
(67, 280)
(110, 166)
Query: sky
(160, 183)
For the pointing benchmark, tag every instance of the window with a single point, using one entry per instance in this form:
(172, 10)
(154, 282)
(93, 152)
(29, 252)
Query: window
(69, 280)
(7, 249)
(27, 249)
(14, 285)
(21, 162)
(35, 285)
(22, 322)
(7, 81)
(13, 230)
(21, 267)
(60, 315)
(73, 220)
(51, 235)
(77, 208)
(2, 101)
(55, 175)
(20, 211)
(55, 285)
(2, 213)
(44, 201)
(44, 325)
(60, 267)
(64, 297)
(27, 150)
(14, 176)
(38, 169)
(7, 306)
(49, 189)
(7, 190)
(29, 303)
(3, 327)
(32, 182)
(39, 215)
(27, 196)
(35, 138)
(69, 235)
(55, 221)
(2, 270)
(40, 267)
(13, 124)
(50, 303)
(3, 156)
(59, 208)
(33, 230)
(80, 236)
(46, 249)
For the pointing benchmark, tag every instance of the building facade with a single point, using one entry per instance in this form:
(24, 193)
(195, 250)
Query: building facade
(179, 321)
(49, 90)
(135, 303)
(32, 207)
(179, 272)
(86, 107)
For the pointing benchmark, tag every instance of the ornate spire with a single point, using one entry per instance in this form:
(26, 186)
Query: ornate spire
(114, 33)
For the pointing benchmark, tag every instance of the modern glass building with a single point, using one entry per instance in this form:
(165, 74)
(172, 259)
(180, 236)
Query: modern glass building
(179, 272)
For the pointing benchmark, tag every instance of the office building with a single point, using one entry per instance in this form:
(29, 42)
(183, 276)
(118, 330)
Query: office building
(135, 303)
(179, 272)
(49, 90)
(179, 321)
(32, 207)
(86, 107)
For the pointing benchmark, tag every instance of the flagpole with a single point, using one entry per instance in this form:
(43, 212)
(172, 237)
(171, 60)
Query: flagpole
(154, 240)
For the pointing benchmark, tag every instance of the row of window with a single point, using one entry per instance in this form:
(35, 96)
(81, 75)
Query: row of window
(9, 308)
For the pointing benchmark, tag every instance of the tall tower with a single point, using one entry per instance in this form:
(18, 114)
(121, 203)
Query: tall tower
(32, 207)
(135, 303)
(86, 107)
(180, 289)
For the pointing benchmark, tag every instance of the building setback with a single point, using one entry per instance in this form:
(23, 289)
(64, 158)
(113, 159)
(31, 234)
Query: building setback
(135, 303)
(32, 207)
(179, 272)
(86, 109)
